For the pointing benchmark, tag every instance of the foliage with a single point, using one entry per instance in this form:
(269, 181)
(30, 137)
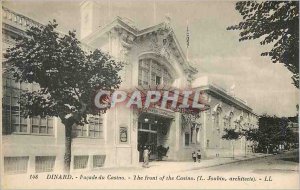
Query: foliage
(68, 77)
(231, 134)
(251, 134)
(275, 23)
(272, 132)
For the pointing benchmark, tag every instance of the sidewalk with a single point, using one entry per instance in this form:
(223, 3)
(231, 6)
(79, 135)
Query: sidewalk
(179, 166)
(168, 166)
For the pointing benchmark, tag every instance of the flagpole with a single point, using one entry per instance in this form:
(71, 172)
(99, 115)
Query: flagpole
(187, 39)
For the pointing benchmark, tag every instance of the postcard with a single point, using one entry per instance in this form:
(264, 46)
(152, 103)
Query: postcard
(156, 94)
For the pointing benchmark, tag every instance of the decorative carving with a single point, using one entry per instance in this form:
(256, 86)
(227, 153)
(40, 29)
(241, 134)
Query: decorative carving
(161, 42)
(126, 42)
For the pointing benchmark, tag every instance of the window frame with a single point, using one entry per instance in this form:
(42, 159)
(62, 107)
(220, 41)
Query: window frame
(186, 139)
(12, 90)
(151, 71)
(76, 157)
(87, 128)
(39, 169)
(15, 166)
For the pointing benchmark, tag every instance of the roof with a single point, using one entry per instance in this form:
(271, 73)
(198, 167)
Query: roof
(130, 28)
(205, 84)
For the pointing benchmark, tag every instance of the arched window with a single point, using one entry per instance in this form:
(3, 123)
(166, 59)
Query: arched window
(218, 117)
(230, 120)
(153, 73)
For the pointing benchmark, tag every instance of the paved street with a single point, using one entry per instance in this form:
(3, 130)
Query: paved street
(258, 163)
(258, 170)
(286, 162)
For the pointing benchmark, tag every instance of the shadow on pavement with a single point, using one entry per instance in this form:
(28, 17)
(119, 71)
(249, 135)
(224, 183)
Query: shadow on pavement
(291, 159)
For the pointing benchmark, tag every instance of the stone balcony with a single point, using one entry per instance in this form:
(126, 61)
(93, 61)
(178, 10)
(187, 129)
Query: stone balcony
(14, 18)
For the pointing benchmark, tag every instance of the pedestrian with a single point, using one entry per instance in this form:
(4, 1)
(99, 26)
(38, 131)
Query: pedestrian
(146, 154)
(199, 155)
(194, 156)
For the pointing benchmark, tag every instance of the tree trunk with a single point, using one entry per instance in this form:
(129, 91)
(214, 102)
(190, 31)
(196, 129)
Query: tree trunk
(68, 143)
(232, 149)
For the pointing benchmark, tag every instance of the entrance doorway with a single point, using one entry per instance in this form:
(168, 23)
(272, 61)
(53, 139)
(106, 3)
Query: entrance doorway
(147, 136)
(152, 132)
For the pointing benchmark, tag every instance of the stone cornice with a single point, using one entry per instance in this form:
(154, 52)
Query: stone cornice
(120, 24)
(17, 24)
(211, 89)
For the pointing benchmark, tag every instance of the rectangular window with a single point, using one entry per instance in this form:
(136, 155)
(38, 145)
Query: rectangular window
(98, 161)
(94, 128)
(44, 163)
(80, 162)
(158, 80)
(16, 165)
(151, 72)
(42, 125)
(12, 119)
(187, 139)
(197, 135)
(80, 131)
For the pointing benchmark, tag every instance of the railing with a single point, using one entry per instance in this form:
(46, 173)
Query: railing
(26, 22)
(18, 18)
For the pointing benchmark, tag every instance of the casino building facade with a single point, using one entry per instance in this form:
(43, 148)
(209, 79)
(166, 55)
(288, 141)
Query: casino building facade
(151, 56)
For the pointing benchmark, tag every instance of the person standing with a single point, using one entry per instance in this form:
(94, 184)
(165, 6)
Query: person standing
(199, 155)
(194, 156)
(146, 154)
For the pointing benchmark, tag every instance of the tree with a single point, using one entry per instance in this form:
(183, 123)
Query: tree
(272, 132)
(232, 135)
(68, 77)
(251, 134)
(275, 23)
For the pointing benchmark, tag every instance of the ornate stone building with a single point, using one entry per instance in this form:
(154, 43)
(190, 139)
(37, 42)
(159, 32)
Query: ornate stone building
(151, 56)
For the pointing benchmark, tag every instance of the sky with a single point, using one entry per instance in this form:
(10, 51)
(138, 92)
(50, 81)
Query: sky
(214, 51)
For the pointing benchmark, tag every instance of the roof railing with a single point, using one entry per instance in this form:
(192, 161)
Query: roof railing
(18, 19)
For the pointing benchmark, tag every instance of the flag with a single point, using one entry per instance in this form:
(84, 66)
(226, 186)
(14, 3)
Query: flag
(187, 35)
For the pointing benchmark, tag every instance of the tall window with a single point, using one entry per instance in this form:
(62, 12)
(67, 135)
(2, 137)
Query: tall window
(218, 118)
(194, 133)
(94, 129)
(153, 73)
(186, 139)
(198, 135)
(13, 122)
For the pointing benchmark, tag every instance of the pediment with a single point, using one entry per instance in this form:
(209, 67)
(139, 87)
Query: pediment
(161, 37)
